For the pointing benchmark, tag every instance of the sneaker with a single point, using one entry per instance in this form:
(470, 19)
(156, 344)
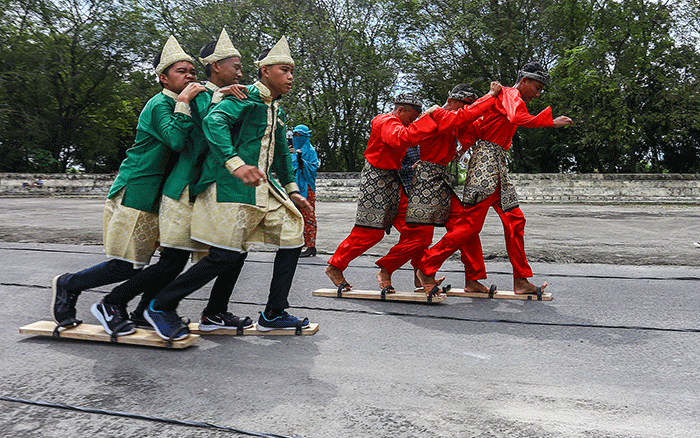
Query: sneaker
(226, 321)
(113, 318)
(63, 301)
(166, 323)
(137, 318)
(283, 322)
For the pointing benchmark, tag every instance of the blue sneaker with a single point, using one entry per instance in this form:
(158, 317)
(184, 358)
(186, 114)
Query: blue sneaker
(168, 324)
(283, 322)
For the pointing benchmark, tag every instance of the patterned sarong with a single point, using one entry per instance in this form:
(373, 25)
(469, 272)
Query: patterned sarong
(380, 193)
(174, 220)
(429, 201)
(488, 167)
(236, 227)
(129, 234)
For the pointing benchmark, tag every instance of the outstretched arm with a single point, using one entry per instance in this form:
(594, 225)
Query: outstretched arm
(562, 121)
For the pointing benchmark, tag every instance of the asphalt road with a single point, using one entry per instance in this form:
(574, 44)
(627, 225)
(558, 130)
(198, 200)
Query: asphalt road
(613, 355)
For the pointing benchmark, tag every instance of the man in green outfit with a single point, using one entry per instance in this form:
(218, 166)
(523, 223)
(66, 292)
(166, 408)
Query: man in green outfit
(223, 68)
(238, 203)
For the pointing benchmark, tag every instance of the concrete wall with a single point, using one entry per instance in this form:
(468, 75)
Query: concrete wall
(332, 186)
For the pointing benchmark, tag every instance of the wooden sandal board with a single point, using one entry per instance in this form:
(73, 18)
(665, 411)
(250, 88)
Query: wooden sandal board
(92, 332)
(378, 295)
(253, 331)
(502, 294)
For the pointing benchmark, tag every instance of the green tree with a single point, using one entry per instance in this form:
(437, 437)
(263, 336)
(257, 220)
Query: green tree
(631, 88)
(65, 99)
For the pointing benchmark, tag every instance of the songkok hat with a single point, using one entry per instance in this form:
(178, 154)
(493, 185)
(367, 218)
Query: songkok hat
(279, 54)
(224, 49)
(409, 99)
(462, 94)
(172, 53)
(539, 74)
(303, 130)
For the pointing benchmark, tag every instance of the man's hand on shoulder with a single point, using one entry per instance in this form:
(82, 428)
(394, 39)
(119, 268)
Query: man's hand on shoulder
(191, 90)
(236, 90)
(495, 88)
(430, 110)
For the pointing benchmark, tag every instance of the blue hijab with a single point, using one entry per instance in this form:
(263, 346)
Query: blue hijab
(305, 166)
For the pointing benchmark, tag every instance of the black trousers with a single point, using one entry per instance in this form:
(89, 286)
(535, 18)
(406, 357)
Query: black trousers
(224, 262)
(151, 279)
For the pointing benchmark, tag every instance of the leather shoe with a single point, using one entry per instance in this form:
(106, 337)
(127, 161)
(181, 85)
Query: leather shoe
(310, 252)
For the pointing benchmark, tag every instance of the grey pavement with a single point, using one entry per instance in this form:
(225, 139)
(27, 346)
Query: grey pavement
(613, 355)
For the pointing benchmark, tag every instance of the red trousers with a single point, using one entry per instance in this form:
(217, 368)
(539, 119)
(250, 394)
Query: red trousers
(361, 239)
(416, 239)
(463, 233)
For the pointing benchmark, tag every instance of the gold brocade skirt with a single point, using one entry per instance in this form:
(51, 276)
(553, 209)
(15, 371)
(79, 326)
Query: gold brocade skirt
(174, 221)
(127, 233)
(237, 227)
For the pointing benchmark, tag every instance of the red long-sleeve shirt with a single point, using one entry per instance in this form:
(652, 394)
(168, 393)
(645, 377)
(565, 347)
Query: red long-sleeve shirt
(500, 122)
(440, 147)
(389, 139)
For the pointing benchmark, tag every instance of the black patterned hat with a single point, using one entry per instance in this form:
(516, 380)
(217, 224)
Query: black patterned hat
(408, 99)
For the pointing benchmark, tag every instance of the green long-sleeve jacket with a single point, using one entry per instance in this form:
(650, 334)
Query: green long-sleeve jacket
(163, 130)
(248, 132)
(188, 167)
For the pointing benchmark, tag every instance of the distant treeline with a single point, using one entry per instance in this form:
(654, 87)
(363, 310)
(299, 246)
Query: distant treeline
(74, 74)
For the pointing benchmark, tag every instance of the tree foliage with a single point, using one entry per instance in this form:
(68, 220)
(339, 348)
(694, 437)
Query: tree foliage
(74, 74)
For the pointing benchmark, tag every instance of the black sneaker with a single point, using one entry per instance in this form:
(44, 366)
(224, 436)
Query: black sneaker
(168, 324)
(113, 318)
(225, 321)
(63, 301)
(283, 322)
(137, 318)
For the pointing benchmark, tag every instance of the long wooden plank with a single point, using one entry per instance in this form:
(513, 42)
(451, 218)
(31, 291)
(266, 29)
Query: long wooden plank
(91, 332)
(253, 331)
(376, 295)
(500, 294)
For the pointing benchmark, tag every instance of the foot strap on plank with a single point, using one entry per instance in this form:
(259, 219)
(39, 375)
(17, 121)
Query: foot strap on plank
(385, 289)
(69, 322)
(434, 291)
(182, 329)
(492, 290)
(113, 336)
(341, 286)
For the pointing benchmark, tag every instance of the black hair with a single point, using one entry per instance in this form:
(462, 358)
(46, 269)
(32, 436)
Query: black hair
(205, 51)
(156, 61)
(262, 56)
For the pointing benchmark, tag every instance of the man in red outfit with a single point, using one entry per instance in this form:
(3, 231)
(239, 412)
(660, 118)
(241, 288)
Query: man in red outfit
(432, 201)
(488, 185)
(382, 200)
